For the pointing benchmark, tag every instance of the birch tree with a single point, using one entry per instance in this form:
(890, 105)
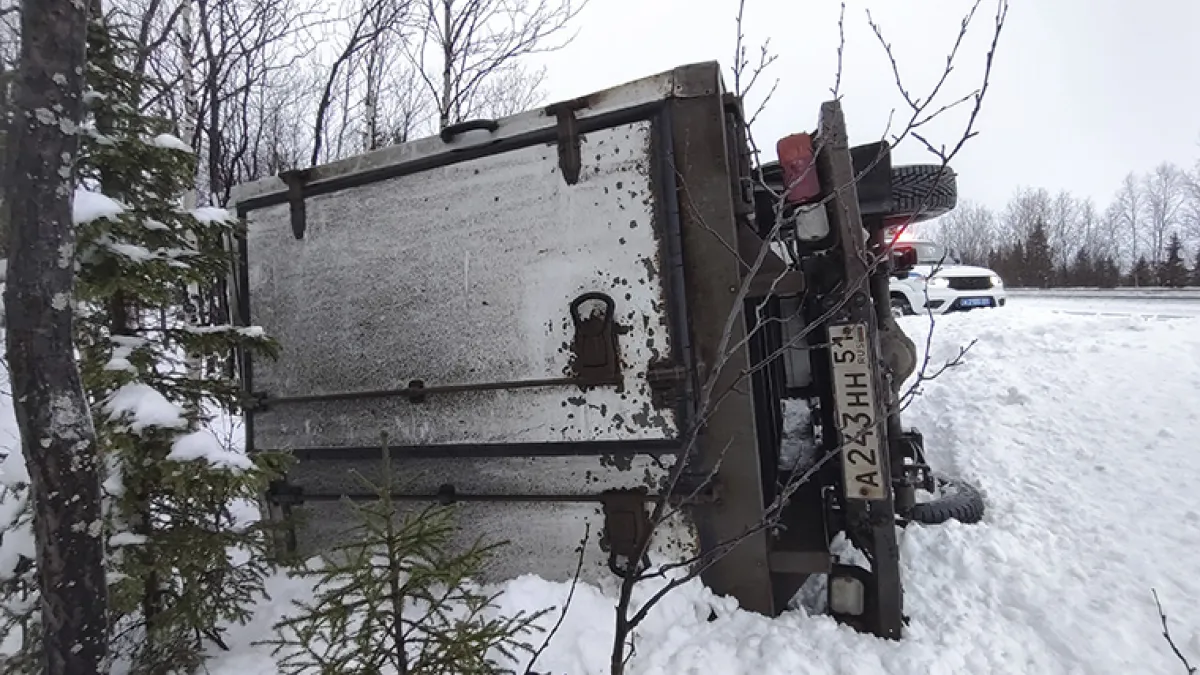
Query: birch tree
(467, 47)
(969, 230)
(1164, 197)
(1129, 209)
(374, 24)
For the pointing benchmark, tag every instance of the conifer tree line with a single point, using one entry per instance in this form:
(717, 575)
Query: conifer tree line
(1148, 235)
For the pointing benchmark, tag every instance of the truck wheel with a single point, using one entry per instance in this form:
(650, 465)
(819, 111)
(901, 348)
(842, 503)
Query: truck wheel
(957, 499)
(900, 306)
(922, 192)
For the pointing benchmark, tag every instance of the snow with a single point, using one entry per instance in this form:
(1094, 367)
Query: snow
(1080, 429)
(89, 206)
(142, 407)
(140, 254)
(170, 143)
(123, 348)
(126, 539)
(212, 215)
(12, 468)
(135, 253)
(17, 542)
(120, 363)
(205, 445)
(129, 341)
(798, 447)
(244, 331)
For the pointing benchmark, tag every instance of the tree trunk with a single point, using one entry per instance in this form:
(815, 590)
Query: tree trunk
(5, 77)
(448, 49)
(371, 99)
(57, 436)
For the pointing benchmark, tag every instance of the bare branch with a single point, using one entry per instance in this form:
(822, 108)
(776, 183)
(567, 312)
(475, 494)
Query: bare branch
(743, 82)
(914, 389)
(473, 42)
(566, 605)
(837, 81)
(1167, 634)
(373, 20)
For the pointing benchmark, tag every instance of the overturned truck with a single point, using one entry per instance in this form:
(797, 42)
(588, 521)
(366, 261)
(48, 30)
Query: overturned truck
(562, 318)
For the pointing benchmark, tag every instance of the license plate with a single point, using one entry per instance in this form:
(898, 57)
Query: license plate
(975, 302)
(856, 411)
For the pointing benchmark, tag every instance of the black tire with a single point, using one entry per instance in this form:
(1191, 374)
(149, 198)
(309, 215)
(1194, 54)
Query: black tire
(923, 191)
(901, 306)
(960, 501)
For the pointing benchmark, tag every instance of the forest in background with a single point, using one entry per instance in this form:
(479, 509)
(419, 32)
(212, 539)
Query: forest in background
(257, 87)
(1147, 235)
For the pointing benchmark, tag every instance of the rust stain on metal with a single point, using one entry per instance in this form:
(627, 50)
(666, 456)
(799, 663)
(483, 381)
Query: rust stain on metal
(649, 418)
(618, 462)
(651, 269)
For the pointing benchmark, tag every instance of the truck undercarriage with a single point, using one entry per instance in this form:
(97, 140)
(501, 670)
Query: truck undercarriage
(566, 317)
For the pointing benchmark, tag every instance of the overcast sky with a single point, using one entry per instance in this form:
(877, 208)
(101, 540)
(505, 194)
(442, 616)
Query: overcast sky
(1082, 91)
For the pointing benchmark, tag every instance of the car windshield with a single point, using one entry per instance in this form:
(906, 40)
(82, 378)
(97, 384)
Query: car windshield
(929, 253)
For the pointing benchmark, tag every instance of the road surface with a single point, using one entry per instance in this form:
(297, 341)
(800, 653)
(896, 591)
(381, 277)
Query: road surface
(1150, 304)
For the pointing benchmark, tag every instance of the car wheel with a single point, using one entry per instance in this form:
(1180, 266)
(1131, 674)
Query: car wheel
(922, 192)
(955, 499)
(900, 307)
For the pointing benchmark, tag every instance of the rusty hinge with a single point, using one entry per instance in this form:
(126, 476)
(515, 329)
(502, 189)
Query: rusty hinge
(626, 527)
(570, 159)
(295, 180)
(596, 358)
(667, 382)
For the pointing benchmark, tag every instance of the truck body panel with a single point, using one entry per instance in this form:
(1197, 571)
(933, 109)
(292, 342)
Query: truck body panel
(430, 291)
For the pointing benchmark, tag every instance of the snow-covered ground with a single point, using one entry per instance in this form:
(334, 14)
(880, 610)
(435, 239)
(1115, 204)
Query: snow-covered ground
(1081, 429)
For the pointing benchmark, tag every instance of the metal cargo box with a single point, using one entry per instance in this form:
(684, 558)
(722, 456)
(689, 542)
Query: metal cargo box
(526, 307)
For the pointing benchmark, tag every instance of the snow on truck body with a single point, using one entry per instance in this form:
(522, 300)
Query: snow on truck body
(510, 303)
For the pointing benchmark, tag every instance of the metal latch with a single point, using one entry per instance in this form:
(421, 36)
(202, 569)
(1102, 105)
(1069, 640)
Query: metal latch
(570, 159)
(596, 359)
(626, 527)
(295, 180)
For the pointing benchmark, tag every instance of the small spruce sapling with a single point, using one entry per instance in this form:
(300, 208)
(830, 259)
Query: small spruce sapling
(398, 599)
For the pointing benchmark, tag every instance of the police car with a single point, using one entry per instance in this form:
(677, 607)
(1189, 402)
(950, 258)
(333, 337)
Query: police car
(938, 282)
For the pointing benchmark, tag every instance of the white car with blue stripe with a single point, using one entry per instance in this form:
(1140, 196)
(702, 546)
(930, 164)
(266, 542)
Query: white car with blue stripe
(939, 283)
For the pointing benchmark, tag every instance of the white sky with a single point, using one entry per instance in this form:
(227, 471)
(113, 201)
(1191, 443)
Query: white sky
(1082, 91)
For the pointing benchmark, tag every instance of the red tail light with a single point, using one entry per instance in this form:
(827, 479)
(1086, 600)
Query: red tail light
(799, 171)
